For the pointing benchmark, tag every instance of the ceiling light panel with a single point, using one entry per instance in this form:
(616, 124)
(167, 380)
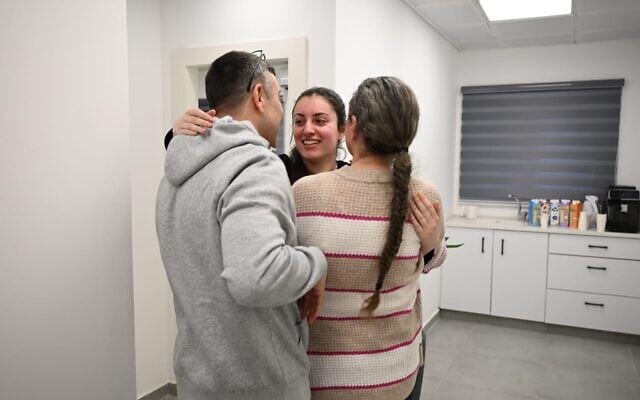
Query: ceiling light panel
(502, 10)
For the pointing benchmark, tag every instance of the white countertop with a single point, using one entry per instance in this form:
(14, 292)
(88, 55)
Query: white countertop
(515, 225)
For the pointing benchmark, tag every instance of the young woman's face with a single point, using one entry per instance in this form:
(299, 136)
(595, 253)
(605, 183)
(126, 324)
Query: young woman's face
(315, 128)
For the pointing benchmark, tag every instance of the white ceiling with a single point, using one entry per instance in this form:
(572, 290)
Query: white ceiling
(464, 24)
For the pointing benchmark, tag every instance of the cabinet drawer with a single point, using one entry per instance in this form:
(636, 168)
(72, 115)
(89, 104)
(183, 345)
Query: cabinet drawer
(593, 311)
(594, 246)
(594, 275)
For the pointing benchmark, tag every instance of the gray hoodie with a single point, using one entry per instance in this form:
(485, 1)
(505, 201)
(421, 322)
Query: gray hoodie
(225, 220)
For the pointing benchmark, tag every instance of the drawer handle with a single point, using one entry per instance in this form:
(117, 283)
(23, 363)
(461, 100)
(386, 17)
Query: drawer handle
(502, 247)
(586, 303)
(598, 268)
(593, 246)
(483, 245)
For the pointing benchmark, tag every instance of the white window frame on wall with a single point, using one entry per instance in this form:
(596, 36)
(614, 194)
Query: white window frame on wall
(186, 63)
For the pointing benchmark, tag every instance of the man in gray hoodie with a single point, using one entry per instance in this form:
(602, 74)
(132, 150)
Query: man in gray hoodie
(225, 220)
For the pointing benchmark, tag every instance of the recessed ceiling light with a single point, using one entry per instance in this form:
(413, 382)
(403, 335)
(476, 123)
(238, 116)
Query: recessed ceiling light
(501, 10)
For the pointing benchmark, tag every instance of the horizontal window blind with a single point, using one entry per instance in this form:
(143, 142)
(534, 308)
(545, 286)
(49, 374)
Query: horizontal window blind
(549, 140)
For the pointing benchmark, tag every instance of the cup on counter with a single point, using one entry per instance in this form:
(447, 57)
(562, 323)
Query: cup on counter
(544, 221)
(471, 212)
(582, 221)
(601, 222)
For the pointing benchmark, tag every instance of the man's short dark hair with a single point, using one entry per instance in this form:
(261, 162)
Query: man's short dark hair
(230, 75)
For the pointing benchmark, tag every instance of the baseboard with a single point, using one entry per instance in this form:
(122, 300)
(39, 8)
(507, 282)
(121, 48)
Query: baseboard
(542, 327)
(431, 321)
(161, 392)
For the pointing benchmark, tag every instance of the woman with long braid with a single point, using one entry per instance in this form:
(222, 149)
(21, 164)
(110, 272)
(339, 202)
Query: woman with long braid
(366, 342)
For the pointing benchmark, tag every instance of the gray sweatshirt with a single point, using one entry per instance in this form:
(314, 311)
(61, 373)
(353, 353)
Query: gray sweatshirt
(225, 220)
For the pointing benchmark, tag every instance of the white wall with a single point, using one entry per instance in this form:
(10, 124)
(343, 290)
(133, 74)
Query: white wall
(66, 312)
(386, 37)
(599, 60)
(153, 305)
(218, 22)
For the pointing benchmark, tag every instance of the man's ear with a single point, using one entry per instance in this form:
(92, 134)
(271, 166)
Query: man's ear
(258, 97)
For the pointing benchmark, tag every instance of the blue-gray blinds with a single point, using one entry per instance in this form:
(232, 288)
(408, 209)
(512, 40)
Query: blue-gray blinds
(549, 140)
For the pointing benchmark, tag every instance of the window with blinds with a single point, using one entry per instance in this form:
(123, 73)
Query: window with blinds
(546, 140)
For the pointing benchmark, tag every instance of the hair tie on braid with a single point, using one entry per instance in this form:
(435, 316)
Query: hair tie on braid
(378, 286)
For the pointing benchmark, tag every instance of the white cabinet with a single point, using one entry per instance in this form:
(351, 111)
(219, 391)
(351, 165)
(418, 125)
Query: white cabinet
(594, 311)
(594, 283)
(519, 282)
(466, 273)
(557, 276)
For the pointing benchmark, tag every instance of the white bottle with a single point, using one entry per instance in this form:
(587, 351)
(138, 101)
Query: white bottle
(544, 216)
(554, 212)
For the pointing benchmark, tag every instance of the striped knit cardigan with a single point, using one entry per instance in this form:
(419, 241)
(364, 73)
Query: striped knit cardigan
(345, 212)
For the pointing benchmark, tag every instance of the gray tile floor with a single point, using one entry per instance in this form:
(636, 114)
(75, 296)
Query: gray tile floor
(473, 360)
(469, 360)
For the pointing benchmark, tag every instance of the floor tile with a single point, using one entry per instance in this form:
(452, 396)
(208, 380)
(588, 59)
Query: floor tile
(501, 341)
(635, 353)
(449, 333)
(560, 384)
(501, 374)
(429, 388)
(438, 360)
(451, 390)
(590, 359)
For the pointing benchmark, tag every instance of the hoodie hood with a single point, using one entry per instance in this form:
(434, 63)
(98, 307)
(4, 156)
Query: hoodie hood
(189, 154)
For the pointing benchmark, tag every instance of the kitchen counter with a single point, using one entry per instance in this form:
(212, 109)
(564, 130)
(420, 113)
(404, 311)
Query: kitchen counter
(515, 225)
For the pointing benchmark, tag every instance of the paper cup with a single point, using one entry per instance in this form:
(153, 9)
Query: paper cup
(471, 212)
(601, 222)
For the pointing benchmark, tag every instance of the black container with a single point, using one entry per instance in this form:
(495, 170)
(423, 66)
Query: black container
(623, 209)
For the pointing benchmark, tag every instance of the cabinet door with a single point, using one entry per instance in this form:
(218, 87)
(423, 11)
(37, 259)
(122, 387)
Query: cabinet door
(466, 273)
(519, 275)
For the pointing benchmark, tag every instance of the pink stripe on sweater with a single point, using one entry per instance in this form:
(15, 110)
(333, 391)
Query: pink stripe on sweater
(362, 352)
(366, 256)
(352, 217)
(393, 289)
(395, 314)
(376, 386)
(341, 216)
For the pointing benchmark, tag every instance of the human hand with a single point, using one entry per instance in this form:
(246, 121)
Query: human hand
(426, 221)
(194, 122)
(311, 303)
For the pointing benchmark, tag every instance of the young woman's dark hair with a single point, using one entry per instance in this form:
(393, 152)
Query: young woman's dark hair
(387, 114)
(298, 169)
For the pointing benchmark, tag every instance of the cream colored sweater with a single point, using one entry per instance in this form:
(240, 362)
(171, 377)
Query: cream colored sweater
(346, 212)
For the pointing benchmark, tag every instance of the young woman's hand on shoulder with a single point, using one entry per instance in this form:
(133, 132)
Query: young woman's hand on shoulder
(194, 122)
(426, 220)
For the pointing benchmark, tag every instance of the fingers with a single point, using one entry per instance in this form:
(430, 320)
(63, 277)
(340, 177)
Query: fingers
(303, 305)
(414, 221)
(426, 221)
(436, 207)
(425, 206)
(193, 122)
(199, 114)
(314, 309)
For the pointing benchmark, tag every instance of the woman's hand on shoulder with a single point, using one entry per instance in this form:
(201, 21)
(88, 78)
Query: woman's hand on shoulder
(194, 122)
(427, 221)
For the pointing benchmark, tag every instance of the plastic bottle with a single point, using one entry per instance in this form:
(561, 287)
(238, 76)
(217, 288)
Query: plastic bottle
(554, 212)
(574, 213)
(564, 212)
